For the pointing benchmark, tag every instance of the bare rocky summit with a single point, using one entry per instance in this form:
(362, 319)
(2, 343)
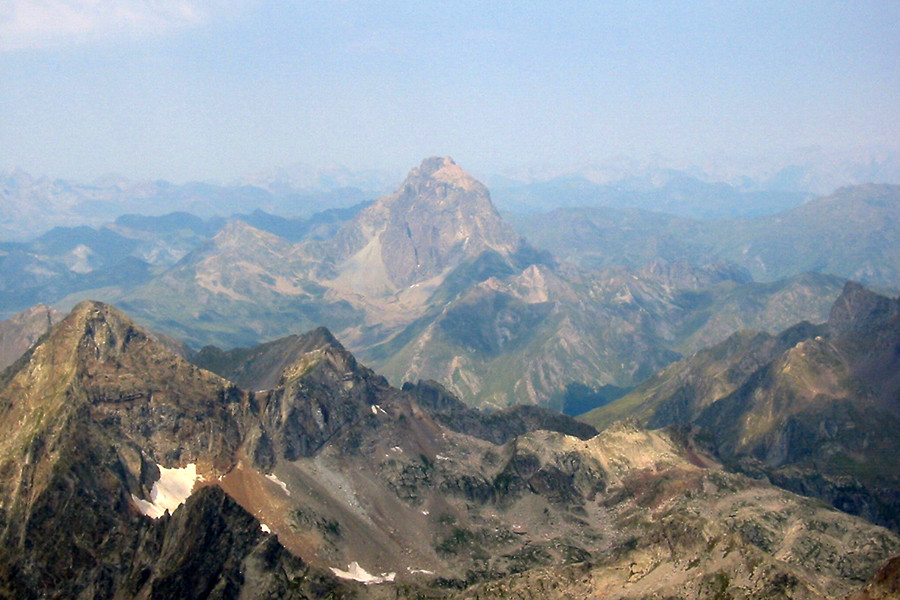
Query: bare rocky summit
(439, 217)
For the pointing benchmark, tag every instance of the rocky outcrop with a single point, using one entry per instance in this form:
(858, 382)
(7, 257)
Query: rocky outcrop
(213, 548)
(884, 585)
(321, 393)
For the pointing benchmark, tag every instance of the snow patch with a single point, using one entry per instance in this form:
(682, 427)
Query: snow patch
(170, 491)
(357, 573)
(274, 479)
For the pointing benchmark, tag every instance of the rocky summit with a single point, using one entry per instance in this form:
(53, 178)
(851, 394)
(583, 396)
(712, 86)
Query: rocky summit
(126, 472)
(439, 217)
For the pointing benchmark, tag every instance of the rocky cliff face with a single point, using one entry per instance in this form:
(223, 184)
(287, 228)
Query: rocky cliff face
(439, 217)
(91, 417)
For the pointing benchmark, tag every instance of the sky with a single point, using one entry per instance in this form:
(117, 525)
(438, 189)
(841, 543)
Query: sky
(215, 89)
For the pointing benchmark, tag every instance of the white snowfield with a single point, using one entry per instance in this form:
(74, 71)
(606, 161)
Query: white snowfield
(357, 573)
(271, 477)
(169, 492)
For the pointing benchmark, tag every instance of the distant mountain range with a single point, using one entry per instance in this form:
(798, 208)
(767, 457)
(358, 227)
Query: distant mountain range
(726, 186)
(853, 233)
(432, 283)
(31, 205)
(668, 191)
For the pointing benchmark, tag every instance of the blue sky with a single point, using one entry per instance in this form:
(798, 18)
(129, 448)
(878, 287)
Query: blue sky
(184, 89)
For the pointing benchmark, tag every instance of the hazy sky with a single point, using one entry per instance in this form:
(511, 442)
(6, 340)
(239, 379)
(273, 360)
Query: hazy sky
(200, 89)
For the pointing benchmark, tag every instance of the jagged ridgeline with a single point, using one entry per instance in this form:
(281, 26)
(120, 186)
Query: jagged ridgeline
(126, 472)
(432, 283)
(815, 408)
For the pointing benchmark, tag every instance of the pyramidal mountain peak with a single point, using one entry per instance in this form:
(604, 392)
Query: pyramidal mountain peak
(439, 217)
(857, 305)
(98, 370)
(321, 348)
(262, 367)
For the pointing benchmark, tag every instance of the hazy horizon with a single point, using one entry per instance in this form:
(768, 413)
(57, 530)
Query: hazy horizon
(182, 90)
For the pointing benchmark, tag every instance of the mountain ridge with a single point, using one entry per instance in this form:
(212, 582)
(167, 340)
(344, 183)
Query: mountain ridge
(850, 233)
(810, 408)
(345, 469)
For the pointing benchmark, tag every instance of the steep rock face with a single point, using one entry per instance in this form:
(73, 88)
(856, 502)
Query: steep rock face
(19, 332)
(96, 359)
(857, 308)
(322, 392)
(212, 548)
(884, 585)
(87, 416)
(439, 217)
